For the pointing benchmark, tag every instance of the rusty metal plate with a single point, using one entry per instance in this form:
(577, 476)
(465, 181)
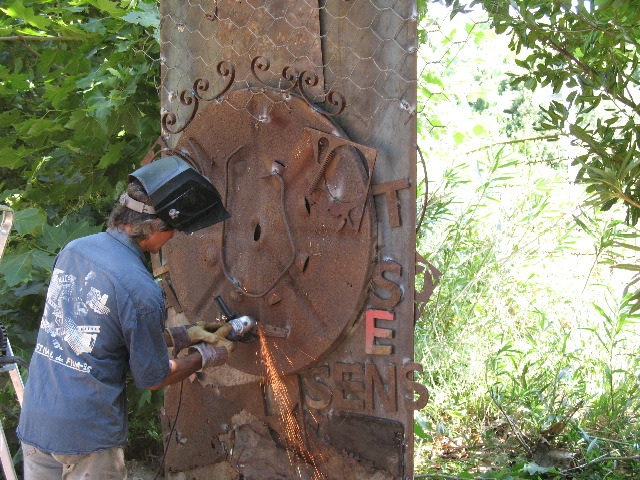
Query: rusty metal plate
(376, 440)
(298, 251)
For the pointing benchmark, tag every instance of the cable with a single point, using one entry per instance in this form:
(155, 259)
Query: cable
(170, 436)
(11, 360)
(4, 349)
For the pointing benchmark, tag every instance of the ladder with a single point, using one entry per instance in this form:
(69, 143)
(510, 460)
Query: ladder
(9, 364)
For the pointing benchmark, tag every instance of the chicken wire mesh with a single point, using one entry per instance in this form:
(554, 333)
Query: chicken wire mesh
(354, 60)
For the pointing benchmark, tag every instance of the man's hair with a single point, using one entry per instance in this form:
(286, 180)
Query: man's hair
(143, 225)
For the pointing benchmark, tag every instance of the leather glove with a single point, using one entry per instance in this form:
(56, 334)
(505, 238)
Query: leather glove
(211, 356)
(186, 335)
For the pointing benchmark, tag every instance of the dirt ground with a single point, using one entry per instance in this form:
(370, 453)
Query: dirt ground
(139, 470)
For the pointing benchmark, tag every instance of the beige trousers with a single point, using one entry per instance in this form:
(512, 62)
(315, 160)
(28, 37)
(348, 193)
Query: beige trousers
(104, 465)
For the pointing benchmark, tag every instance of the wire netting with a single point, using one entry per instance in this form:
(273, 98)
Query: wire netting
(353, 60)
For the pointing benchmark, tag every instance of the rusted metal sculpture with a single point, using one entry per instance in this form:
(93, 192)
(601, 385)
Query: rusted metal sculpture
(297, 252)
(313, 151)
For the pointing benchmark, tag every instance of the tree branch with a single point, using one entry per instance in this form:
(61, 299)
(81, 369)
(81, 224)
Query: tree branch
(520, 435)
(604, 458)
(25, 38)
(586, 70)
(519, 140)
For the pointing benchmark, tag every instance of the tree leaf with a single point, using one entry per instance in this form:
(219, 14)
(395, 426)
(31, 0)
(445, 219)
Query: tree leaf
(43, 260)
(11, 158)
(16, 268)
(29, 221)
(54, 238)
(18, 11)
(532, 468)
(112, 155)
(108, 6)
(145, 18)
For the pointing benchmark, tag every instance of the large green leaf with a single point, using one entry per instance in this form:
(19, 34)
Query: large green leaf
(16, 267)
(43, 260)
(29, 221)
(108, 6)
(26, 14)
(11, 158)
(54, 238)
(147, 17)
(112, 155)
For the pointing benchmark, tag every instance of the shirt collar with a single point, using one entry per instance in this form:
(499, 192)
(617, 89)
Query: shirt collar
(121, 236)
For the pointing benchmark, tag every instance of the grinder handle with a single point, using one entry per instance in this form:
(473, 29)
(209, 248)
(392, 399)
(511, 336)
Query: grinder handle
(225, 309)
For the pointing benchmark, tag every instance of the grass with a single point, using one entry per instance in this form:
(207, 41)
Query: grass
(529, 346)
(528, 343)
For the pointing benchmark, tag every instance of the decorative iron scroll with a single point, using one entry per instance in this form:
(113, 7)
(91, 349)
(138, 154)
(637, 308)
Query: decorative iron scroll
(300, 80)
(191, 97)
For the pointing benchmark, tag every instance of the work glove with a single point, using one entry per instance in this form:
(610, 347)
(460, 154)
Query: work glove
(211, 356)
(213, 334)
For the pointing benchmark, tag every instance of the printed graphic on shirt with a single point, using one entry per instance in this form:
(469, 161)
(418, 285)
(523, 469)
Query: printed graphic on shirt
(67, 300)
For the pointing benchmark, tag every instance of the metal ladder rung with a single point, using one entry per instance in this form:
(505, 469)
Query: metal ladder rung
(18, 386)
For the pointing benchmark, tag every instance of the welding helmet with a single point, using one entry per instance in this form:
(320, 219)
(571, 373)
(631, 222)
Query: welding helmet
(179, 195)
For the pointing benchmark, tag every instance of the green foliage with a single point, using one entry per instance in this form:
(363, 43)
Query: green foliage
(587, 54)
(581, 379)
(78, 109)
(520, 337)
(508, 355)
(145, 432)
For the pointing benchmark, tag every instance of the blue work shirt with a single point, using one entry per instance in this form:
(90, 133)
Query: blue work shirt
(104, 317)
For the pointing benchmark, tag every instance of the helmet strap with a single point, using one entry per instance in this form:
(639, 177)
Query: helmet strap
(136, 205)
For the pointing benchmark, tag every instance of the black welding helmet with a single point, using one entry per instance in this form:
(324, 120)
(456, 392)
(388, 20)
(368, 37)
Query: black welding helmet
(180, 195)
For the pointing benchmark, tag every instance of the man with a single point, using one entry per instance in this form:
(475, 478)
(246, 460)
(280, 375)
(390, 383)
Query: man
(104, 317)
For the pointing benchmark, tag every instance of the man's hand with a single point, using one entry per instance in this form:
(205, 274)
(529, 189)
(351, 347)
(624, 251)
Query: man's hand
(213, 333)
(211, 326)
(216, 338)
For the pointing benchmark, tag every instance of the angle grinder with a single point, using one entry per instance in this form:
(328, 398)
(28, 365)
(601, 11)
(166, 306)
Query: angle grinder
(244, 327)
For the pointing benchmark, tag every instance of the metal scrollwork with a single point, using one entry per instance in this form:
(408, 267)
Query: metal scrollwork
(339, 102)
(224, 69)
(169, 119)
(260, 63)
(290, 74)
(301, 81)
(191, 97)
